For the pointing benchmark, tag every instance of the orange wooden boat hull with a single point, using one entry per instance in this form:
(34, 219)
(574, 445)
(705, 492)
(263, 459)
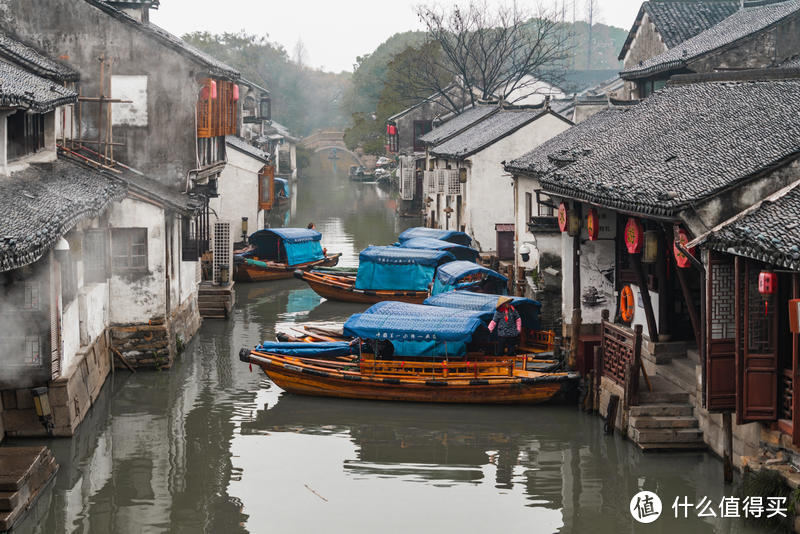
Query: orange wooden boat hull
(253, 273)
(342, 288)
(502, 390)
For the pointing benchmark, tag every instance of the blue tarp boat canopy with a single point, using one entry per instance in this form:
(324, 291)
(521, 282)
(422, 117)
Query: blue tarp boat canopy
(453, 236)
(391, 307)
(412, 335)
(461, 252)
(397, 268)
(290, 245)
(528, 309)
(465, 274)
(308, 350)
(282, 186)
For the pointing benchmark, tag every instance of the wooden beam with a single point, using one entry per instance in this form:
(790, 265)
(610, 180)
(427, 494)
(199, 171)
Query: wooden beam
(795, 371)
(652, 327)
(576, 292)
(687, 297)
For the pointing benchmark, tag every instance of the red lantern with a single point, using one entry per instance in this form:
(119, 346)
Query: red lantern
(235, 92)
(634, 236)
(204, 93)
(388, 129)
(681, 259)
(392, 129)
(563, 217)
(213, 90)
(593, 224)
(767, 283)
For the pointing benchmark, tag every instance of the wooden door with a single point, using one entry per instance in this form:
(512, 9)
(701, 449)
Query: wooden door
(721, 335)
(759, 359)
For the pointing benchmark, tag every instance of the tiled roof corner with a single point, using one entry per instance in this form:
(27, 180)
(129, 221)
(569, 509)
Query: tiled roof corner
(31, 59)
(20, 88)
(740, 25)
(243, 146)
(43, 202)
(770, 232)
(700, 139)
(458, 123)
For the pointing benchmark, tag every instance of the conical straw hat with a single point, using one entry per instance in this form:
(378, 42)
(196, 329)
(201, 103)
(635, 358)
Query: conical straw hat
(503, 300)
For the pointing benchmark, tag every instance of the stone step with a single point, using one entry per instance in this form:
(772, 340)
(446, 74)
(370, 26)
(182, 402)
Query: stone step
(663, 352)
(667, 435)
(673, 446)
(17, 464)
(681, 373)
(661, 397)
(660, 410)
(645, 421)
(693, 354)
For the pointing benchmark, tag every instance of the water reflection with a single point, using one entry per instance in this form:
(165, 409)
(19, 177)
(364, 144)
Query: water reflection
(211, 447)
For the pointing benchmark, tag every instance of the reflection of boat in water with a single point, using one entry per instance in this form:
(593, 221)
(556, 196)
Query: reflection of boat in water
(436, 443)
(358, 173)
(276, 253)
(413, 353)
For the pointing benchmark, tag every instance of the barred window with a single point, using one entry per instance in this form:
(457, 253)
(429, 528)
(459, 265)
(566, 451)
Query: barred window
(129, 249)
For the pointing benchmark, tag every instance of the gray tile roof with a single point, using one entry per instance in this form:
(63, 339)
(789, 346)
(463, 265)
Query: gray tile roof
(35, 61)
(43, 202)
(768, 232)
(739, 25)
(461, 121)
(679, 21)
(686, 142)
(488, 131)
(20, 88)
(215, 67)
(243, 146)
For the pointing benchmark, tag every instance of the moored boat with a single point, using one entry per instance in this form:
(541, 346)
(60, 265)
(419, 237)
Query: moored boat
(276, 253)
(461, 252)
(430, 358)
(452, 236)
(471, 276)
(384, 273)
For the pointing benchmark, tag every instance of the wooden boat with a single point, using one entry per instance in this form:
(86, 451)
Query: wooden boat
(276, 253)
(255, 270)
(384, 273)
(412, 353)
(452, 236)
(360, 174)
(342, 287)
(461, 252)
(492, 381)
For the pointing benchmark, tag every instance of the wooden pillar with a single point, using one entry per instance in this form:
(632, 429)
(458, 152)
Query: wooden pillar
(652, 327)
(687, 297)
(576, 292)
(665, 293)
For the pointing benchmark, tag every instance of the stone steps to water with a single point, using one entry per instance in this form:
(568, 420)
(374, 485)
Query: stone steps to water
(646, 422)
(681, 373)
(215, 302)
(24, 473)
(667, 435)
(661, 410)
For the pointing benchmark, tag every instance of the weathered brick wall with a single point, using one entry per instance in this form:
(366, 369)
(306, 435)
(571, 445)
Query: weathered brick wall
(143, 345)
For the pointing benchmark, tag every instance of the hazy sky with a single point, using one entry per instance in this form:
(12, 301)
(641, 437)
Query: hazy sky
(334, 32)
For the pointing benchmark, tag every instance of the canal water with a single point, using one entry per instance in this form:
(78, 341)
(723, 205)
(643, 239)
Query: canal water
(213, 446)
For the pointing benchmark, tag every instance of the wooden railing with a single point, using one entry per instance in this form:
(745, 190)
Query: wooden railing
(621, 356)
(455, 368)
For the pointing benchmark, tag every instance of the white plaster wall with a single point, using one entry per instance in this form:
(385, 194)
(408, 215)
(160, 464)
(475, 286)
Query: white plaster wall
(238, 193)
(95, 318)
(70, 333)
(544, 242)
(489, 195)
(137, 297)
(597, 269)
(133, 88)
(190, 278)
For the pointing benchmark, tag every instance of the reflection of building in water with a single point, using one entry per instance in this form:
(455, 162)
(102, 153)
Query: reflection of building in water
(154, 452)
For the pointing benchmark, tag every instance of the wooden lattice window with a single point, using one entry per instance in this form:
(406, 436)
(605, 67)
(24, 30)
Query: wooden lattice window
(204, 127)
(723, 301)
